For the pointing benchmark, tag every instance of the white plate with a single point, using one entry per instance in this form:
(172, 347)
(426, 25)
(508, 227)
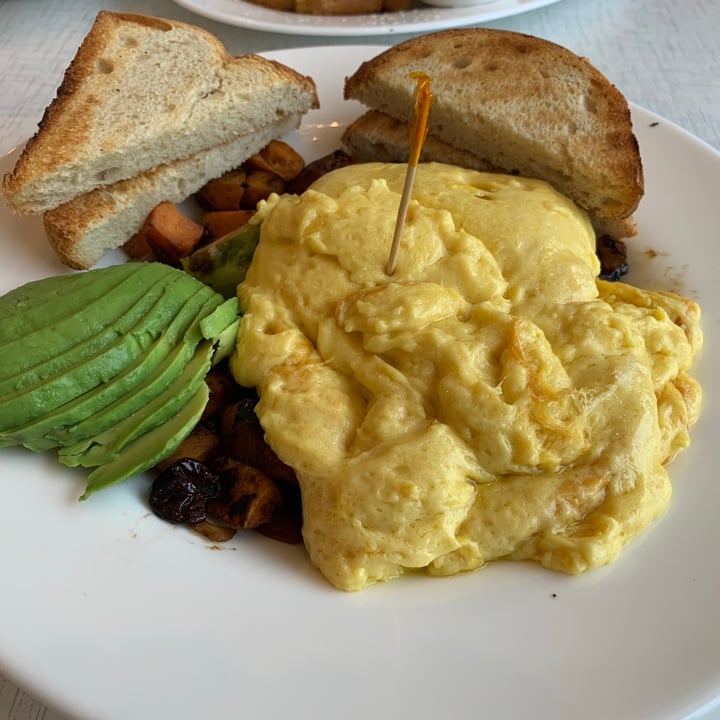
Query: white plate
(421, 18)
(108, 612)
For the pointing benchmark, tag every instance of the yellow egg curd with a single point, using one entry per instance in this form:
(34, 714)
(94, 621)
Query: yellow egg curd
(490, 400)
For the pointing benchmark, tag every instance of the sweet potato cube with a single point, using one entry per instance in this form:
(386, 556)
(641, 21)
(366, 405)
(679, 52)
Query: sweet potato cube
(221, 222)
(168, 233)
(259, 184)
(223, 193)
(279, 158)
(138, 248)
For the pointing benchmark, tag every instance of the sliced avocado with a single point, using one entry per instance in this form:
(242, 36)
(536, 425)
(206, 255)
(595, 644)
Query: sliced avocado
(43, 371)
(132, 390)
(50, 345)
(51, 299)
(110, 402)
(152, 447)
(27, 404)
(135, 396)
(46, 332)
(138, 399)
(222, 264)
(133, 402)
(226, 342)
(218, 320)
(107, 446)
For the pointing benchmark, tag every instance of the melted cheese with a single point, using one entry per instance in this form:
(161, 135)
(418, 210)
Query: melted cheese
(491, 400)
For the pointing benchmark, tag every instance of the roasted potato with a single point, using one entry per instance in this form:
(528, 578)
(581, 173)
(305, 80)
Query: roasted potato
(223, 193)
(279, 159)
(202, 444)
(166, 235)
(259, 185)
(243, 438)
(247, 499)
(221, 222)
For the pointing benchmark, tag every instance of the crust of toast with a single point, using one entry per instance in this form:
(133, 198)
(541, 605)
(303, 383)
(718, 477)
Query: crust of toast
(375, 136)
(142, 92)
(520, 103)
(83, 229)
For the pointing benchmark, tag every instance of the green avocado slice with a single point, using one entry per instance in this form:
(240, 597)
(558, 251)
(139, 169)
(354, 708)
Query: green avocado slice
(43, 372)
(141, 384)
(226, 341)
(106, 447)
(27, 404)
(45, 334)
(110, 402)
(140, 390)
(85, 432)
(51, 299)
(150, 448)
(223, 264)
(179, 354)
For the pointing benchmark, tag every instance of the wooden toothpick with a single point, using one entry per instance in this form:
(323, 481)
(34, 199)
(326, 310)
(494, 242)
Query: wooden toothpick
(418, 131)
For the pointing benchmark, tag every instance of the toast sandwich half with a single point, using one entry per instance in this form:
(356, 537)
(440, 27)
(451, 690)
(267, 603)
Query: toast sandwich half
(506, 102)
(148, 110)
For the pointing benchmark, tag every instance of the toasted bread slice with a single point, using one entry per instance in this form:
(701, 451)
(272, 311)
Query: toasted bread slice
(375, 136)
(83, 229)
(519, 103)
(142, 92)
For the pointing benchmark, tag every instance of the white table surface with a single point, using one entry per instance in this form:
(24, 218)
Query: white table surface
(662, 54)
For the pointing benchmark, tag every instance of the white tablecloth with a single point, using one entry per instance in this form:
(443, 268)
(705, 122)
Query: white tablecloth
(662, 54)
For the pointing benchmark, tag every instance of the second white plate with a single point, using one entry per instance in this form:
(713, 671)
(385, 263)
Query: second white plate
(422, 18)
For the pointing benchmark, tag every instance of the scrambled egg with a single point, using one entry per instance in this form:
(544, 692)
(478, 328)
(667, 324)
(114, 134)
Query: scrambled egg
(490, 400)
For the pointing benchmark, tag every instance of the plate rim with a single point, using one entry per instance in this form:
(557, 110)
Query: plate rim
(287, 53)
(423, 19)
